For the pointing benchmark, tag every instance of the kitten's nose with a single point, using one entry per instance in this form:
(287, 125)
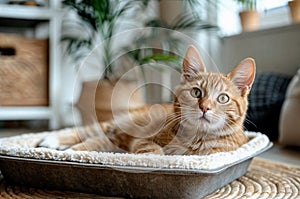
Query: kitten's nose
(204, 109)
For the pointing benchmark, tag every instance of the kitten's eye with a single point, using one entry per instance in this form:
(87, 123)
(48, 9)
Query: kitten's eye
(223, 99)
(196, 93)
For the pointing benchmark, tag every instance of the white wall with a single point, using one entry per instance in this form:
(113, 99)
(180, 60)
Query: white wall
(275, 49)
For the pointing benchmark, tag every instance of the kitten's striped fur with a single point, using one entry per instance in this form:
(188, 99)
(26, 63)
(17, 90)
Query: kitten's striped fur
(206, 117)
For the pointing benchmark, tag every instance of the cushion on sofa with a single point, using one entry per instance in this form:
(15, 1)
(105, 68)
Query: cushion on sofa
(289, 126)
(265, 101)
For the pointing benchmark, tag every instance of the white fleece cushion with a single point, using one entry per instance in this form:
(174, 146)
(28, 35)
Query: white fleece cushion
(289, 125)
(24, 146)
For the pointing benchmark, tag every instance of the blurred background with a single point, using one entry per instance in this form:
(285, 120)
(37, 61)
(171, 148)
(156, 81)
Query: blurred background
(73, 62)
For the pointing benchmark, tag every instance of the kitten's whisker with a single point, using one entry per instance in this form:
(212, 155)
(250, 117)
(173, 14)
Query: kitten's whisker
(250, 122)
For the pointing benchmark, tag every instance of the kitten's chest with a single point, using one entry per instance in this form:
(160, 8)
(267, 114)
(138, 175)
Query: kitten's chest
(167, 133)
(214, 144)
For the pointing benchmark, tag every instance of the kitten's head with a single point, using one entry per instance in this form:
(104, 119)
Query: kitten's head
(211, 102)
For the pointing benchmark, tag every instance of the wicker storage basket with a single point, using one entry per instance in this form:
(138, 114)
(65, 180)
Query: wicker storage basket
(23, 71)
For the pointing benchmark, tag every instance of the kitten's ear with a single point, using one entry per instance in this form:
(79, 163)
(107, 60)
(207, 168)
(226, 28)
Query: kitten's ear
(192, 63)
(243, 75)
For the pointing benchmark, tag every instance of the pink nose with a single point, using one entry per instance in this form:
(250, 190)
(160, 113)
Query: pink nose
(204, 109)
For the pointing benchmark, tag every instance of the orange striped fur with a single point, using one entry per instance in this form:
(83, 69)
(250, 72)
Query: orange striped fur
(206, 117)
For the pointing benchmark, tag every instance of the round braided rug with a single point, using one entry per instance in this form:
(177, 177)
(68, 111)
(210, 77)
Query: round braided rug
(264, 179)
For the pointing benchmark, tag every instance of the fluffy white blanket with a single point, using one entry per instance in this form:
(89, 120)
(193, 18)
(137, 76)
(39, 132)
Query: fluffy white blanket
(24, 146)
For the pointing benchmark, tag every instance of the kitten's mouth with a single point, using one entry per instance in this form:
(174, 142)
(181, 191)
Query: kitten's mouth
(203, 118)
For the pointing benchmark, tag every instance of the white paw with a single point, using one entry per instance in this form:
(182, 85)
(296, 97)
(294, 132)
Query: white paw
(50, 142)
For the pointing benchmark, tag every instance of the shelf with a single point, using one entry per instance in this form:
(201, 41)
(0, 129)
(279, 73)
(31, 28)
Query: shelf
(20, 23)
(25, 12)
(24, 113)
(36, 22)
(266, 31)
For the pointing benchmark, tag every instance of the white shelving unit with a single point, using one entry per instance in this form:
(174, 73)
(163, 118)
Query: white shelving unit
(25, 12)
(45, 18)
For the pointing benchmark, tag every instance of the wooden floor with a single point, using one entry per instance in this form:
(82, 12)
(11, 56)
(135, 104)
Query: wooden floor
(14, 132)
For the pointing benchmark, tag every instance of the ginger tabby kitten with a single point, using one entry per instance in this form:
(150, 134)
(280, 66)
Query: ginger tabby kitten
(206, 117)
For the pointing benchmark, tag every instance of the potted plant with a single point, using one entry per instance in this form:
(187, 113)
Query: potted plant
(157, 48)
(294, 7)
(99, 20)
(249, 16)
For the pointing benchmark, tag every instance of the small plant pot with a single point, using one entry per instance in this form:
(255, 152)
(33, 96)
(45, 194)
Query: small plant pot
(294, 7)
(100, 100)
(249, 20)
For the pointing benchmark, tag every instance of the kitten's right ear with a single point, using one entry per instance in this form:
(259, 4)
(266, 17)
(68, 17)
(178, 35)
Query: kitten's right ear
(243, 75)
(192, 63)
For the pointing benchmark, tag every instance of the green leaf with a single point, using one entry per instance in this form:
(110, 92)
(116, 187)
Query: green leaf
(160, 57)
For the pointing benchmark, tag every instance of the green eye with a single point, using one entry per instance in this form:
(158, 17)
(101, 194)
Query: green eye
(223, 99)
(196, 93)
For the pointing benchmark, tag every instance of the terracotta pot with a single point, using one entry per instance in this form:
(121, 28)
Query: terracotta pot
(249, 20)
(99, 100)
(295, 10)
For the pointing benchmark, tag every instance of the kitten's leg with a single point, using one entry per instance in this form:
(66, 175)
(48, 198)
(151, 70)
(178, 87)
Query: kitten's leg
(145, 146)
(68, 137)
(175, 147)
(62, 139)
(99, 143)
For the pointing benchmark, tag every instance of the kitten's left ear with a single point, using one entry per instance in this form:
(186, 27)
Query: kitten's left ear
(192, 63)
(243, 75)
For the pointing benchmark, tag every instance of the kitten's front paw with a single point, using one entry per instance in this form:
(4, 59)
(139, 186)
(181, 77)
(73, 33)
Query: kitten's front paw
(149, 149)
(51, 142)
(157, 151)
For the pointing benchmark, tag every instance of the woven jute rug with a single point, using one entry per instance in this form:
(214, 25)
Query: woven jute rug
(264, 179)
